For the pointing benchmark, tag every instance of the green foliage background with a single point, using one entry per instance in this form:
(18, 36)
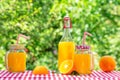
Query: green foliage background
(42, 20)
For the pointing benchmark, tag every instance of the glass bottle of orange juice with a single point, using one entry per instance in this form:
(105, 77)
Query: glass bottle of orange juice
(83, 60)
(66, 46)
(15, 58)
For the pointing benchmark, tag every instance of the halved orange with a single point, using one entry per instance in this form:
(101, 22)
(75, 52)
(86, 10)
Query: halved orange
(40, 70)
(66, 67)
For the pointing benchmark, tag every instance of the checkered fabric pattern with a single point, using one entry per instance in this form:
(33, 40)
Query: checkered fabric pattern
(27, 75)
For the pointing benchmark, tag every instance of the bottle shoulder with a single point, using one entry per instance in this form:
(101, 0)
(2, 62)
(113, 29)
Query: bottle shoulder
(66, 43)
(66, 39)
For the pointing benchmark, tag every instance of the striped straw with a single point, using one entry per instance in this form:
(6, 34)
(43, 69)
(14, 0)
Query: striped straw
(21, 35)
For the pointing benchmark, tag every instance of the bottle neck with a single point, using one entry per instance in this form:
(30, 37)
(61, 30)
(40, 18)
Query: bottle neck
(66, 35)
(67, 31)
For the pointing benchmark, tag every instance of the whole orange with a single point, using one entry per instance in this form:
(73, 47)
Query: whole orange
(107, 63)
(40, 70)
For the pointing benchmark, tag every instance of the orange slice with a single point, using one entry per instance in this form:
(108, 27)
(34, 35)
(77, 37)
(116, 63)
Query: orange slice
(66, 67)
(40, 70)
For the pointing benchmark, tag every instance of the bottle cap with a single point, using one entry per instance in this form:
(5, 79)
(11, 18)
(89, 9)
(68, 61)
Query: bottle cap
(83, 47)
(67, 22)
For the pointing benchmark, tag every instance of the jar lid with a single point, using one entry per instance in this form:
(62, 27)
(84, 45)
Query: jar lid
(83, 47)
(16, 46)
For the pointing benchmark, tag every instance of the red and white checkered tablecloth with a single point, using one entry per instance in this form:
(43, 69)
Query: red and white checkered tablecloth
(27, 75)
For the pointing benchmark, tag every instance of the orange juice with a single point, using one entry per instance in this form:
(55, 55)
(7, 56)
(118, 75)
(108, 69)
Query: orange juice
(15, 59)
(16, 62)
(65, 51)
(83, 63)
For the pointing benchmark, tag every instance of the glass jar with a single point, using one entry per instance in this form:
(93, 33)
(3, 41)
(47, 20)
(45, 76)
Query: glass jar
(83, 60)
(15, 58)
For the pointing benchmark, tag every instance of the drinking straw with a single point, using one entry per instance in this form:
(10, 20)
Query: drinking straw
(21, 35)
(84, 37)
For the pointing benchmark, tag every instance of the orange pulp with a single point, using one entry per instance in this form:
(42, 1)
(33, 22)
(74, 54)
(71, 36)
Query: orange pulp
(66, 67)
